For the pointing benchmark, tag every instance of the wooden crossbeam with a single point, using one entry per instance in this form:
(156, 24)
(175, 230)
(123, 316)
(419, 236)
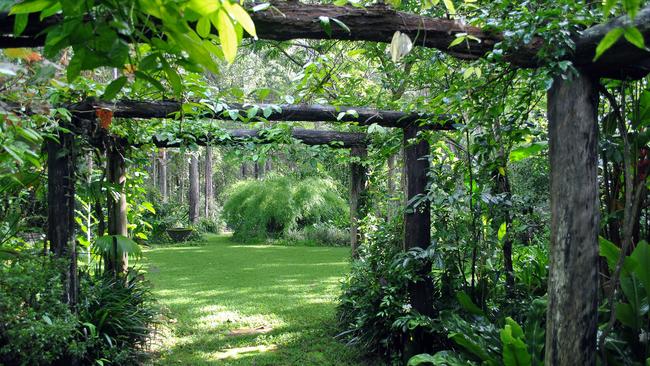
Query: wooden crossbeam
(333, 139)
(292, 20)
(288, 112)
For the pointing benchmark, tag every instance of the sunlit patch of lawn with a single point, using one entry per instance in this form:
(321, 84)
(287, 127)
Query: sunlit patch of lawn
(233, 304)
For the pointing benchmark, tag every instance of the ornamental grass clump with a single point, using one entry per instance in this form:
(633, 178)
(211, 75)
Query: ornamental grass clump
(274, 206)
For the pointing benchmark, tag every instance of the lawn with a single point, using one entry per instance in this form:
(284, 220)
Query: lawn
(242, 304)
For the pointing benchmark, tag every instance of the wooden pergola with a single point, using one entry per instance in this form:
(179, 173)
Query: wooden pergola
(571, 330)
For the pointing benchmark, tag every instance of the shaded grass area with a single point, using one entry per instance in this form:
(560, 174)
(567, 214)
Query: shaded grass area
(233, 304)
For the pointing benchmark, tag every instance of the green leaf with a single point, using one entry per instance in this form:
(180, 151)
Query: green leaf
(608, 41)
(144, 76)
(468, 304)
(261, 7)
(203, 7)
(626, 315)
(450, 7)
(31, 6)
(74, 67)
(114, 87)
(515, 350)
(173, 78)
(642, 256)
(460, 38)
(634, 36)
(241, 16)
(325, 23)
(471, 346)
(502, 231)
(610, 251)
(227, 36)
(20, 23)
(526, 151)
(203, 27)
(608, 6)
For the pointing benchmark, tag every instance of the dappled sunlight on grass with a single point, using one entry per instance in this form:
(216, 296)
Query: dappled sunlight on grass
(249, 304)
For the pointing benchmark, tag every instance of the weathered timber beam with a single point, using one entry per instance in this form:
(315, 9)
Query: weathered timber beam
(334, 139)
(288, 112)
(293, 20)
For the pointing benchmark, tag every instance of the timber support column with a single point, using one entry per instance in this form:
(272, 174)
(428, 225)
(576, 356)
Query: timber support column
(572, 317)
(417, 233)
(60, 209)
(358, 181)
(117, 219)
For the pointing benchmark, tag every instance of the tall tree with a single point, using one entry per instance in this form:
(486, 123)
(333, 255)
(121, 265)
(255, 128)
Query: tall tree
(208, 181)
(193, 199)
(162, 173)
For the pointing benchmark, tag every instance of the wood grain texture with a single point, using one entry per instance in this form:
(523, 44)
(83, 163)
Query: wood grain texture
(573, 268)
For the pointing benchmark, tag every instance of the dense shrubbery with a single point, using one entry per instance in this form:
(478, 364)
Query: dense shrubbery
(278, 205)
(111, 323)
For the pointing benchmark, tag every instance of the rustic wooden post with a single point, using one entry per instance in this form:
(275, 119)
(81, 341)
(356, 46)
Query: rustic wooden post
(117, 220)
(572, 316)
(60, 211)
(358, 179)
(417, 233)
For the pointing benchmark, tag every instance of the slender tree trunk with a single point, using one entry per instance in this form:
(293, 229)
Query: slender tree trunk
(358, 181)
(244, 170)
(417, 234)
(256, 169)
(209, 196)
(572, 315)
(162, 174)
(117, 219)
(60, 210)
(193, 199)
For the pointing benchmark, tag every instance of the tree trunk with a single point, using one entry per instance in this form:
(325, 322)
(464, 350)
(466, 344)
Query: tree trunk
(193, 199)
(162, 174)
(417, 234)
(117, 219)
(209, 196)
(358, 181)
(60, 209)
(572, 316)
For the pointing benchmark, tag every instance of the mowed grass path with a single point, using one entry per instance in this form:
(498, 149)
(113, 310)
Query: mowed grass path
(242, 304)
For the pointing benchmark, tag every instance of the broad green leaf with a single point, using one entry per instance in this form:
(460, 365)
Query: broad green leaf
(450, 7)
(610, 251)
(204, 7)
(626, 315)
(227, 36)
(20, 22)
(241, 16)
(608, 5)
(502, 231)
(144, 76)
(468, 304)
(114, 87)
(523, 152)
(515, 350)
(471, 346)
(203, 27)
(173, 78)
(608, 41)
(642, 256)
(460, 38)
(31, 6)
(634, 36)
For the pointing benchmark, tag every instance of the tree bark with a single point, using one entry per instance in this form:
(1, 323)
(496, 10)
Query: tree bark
(417, 234)
(193, 199)
(286, 112)
(162, 174)
(572, 316)
(117, 219)
(208, 182)
(60, 210)
(358, 180)
(288, 20)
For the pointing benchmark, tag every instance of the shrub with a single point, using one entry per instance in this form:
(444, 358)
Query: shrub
(116, 317)
(207, 225)
(35, 325)
(276, 205)
(321, 234)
